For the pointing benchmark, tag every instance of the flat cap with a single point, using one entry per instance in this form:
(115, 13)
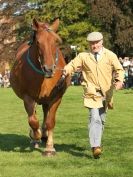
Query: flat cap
(94, 36)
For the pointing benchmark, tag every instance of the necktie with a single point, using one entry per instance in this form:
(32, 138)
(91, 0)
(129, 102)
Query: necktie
(95, 55)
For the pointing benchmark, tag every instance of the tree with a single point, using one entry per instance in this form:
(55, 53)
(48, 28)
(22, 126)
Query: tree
(77, 18)
(115, 19)
(74, 23)
(8, 31)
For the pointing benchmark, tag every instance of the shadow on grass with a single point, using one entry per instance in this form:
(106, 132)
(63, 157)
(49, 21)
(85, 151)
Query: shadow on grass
(21, 143)
(72, 149)
(15, 143)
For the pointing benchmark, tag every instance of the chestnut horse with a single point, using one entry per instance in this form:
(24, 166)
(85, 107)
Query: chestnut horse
(36, 78)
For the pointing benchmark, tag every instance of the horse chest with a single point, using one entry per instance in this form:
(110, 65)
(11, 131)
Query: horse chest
(48, 93)
(45, 91)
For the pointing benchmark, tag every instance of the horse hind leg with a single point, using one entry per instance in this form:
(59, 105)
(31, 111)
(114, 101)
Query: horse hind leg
(35, 132)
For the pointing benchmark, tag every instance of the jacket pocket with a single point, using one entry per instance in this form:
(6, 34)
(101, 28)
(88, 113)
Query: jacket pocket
(89, 90)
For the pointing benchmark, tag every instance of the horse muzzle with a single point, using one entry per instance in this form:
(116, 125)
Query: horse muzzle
(49, 71)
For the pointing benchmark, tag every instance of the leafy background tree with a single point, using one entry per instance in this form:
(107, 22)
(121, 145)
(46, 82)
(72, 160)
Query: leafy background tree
(8, 30)
(115, 17)
(74, 23)
(77, 18)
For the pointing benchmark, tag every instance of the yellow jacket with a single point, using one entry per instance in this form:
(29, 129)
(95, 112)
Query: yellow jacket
(97, 76)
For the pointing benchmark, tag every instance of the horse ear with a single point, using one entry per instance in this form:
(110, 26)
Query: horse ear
(55, 25)
(35, 24)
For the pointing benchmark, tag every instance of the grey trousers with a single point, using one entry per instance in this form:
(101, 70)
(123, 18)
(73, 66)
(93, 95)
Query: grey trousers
(96, 125)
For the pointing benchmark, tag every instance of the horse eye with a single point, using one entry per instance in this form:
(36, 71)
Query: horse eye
(37, 42)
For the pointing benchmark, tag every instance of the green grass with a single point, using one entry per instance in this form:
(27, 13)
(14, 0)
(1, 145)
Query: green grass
(74, 158)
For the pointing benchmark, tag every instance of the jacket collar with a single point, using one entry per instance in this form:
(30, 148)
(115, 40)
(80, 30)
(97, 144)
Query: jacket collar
(101, 53)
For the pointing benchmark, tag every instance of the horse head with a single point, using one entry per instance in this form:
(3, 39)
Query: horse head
(46, 44)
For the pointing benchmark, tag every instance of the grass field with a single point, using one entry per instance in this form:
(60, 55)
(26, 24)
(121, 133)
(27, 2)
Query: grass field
(74, 158)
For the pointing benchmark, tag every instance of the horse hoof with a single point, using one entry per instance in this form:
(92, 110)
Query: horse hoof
(49, 153)
(36, 145)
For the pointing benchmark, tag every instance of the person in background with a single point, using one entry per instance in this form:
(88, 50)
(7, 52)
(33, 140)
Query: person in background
(1, 80)
(126, 78)
(101, 72)
(126, 62)
(130, 76)
(121, 61)
(7, 72)
(6, 82)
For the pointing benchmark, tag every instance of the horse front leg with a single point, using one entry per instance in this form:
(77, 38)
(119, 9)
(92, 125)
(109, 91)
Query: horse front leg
(35, 132)
(45, 108)
(50, 124)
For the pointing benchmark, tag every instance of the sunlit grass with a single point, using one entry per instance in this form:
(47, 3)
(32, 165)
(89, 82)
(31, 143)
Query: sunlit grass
(74, 158)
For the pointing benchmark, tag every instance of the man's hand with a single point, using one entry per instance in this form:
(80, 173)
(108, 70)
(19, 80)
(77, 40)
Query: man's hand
(64, 72)
(118, 85)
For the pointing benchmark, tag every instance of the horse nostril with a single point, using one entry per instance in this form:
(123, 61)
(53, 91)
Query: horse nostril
(48, 72)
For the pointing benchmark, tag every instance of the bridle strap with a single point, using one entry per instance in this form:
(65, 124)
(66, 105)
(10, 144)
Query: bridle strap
(32, 65)
(41, 71)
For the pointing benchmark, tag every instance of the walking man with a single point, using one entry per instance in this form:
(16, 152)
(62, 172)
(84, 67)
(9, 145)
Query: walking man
(101, 72)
